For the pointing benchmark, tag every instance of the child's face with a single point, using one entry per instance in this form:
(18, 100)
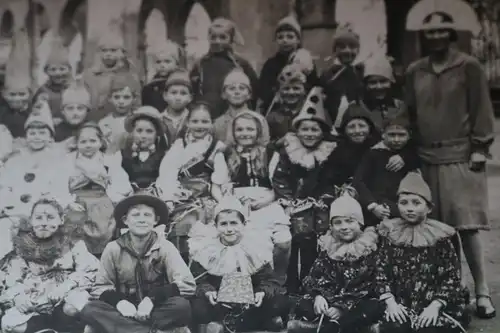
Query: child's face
(395, 137)
(122, 100)
(141, 220)
(38, 138)
(45, 220)
(413, 208)
(74, 114)
(219, 41)
(177, 97)
(245, 132)
(144, 133)
(236, 94)
(230, 227)
(292, 94)
(357, 130)
(346, 52)
(163, 66)
(58, 74)
(111, 55)
(377, 86)
(344, 228)
(287, 41)
(309, 133)
(200, 123)
(18, 99)
(88, 143)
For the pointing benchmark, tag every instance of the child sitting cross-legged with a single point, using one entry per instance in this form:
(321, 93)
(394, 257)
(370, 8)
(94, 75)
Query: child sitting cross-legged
(339, 287)
(418, 271)
(236, 286)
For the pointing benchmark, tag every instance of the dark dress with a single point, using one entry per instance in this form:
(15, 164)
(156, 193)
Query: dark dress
(142, 174)
(152, 93)
(13, 120)
(64, 131)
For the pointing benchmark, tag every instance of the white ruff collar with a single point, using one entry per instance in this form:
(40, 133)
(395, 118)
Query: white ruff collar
(250, 255)
(300, 155)
(361, 247)
(425, 234)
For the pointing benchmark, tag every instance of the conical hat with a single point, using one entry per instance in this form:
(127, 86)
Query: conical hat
(289, 23)
(347, 206)
(76, 93)
(345, 34)
(59, 54)
(231, 203)
(17, 72)
(112, 38)
(292, 73)
(304, 59)
(413, 183)
(313, 109)
(41, 114)
(379, 65)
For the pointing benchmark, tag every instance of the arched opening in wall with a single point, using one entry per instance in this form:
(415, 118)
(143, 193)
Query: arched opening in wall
(152, 30)
(7, 25)
(73, 31)
(196, 33)
(37, 21)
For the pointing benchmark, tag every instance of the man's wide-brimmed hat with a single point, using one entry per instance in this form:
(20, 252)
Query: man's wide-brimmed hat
(149, 200)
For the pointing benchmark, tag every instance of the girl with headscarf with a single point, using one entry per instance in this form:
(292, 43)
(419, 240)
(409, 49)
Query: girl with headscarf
(209, 72)
(248, 159)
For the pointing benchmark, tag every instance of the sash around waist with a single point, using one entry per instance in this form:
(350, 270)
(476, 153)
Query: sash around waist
(446, 151)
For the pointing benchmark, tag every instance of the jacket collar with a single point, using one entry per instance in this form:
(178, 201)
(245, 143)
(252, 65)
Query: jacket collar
(455, 59)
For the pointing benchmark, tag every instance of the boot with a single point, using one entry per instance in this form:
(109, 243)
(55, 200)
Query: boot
(275, 324)
(300, 326)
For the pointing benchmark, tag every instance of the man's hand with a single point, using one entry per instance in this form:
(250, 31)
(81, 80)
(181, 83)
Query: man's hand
(320, 305)
(259, 298)
(126, 309)
(144, 309)
(212, 297)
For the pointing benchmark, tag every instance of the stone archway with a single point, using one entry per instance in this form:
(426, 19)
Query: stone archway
(7, 25)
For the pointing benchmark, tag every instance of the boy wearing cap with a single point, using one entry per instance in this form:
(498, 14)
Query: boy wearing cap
(209, 73)
(340, 285)
(377, 184)
(144, 281)
(344, 78)
(288, 37)
(237, 92)
(166, 58)
(177, 96)
(235, 278)
(418, 270)
(123, 99)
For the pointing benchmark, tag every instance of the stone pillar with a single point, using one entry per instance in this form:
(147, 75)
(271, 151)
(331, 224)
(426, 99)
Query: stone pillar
(19, 10)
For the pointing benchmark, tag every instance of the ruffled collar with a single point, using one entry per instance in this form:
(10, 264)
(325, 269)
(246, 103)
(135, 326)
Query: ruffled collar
(361, 247)
(300, 155)
(425, 234)
(248, 256)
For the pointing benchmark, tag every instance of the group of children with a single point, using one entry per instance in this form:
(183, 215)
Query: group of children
(218, 200)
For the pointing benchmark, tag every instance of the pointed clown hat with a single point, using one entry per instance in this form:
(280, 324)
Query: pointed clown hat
(40, 115)
(59, 54)
(304, 59)
(414, 183)
(379, 65)
(347, 206)
(231, 203)
(345, 34)
(431, 14)
(291, 74)
(17, 72)
(77, 93)
(290, 23)
(313, 109)
(112, 38)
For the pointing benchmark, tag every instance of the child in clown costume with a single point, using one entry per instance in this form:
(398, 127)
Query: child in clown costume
(248, 158)
(49, 265)
(237, 92)
(208, 74)
(236, 285)
(166, 57)
(288, 37)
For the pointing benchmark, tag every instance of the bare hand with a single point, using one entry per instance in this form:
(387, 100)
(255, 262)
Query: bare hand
(259, 298)
(430, 315)
(333, 313)
(381, 212)
(126, 309)
(144, 309)
(320, 305)
(477, 162)
(395, 312)
(23, 303)
(395, 163)
(212, 297)
(76, 207)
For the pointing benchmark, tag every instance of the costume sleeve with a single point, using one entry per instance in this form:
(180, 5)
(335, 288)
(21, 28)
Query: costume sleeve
(119, 186)
(265, 281)
(448, 269)
(383, 278)
(320, 278)
(86, 266)
(15, 271)
(480, 108)
(282, 178)
(220, 175)
(177, 271)
(364, 174)
(202, 279)
(167, 180)
(105, 286)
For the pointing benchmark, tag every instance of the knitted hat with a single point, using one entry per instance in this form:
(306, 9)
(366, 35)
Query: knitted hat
(178, 77)
(304, 59)
(236, 76)
(379, 66)
(395, 118)
(225, 26)
(313, 109)
(167, 50)
(289, 23)
(122, 80)
(59, 54)
(17, 72)
(292, 74)
(413, 183)
(147, 112)
(40, 114)
(231, 203)
(347, 206)
(112, 38)
(356, 111)
(345, 35)
(76, 93)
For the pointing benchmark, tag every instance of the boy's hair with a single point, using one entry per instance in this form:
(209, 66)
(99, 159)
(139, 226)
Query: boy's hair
(396, 119)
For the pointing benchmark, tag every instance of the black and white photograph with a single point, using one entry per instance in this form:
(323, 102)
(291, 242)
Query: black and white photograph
(231, 166)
